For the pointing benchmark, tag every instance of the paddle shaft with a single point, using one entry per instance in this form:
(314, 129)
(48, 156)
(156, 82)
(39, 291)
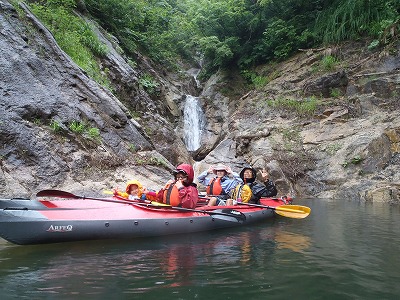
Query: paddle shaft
(63, 194)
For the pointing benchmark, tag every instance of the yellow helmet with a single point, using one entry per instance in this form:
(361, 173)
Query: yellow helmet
(134, 182)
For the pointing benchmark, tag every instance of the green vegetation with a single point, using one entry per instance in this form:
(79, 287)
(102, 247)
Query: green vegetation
(37, 121)
(238, 32)
(336, 93)
(291, 135)
(156, 161)
(94, 134)
(302, 107)
(329, 62)
(227, 33)
(55, 126)
(73, 35)
(83, 129)
(148, 83)
(374, 44)
(136, 115)
(77, 127)
(354, 161)
(257, 80)
(343, 19)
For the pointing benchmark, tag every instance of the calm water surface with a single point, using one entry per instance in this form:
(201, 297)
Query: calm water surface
(343, 250)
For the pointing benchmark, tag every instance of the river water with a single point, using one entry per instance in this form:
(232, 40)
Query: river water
(343, 250)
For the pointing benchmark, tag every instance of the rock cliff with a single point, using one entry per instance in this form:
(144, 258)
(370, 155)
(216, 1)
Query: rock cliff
(345, 148)
(321, 133)
(60, 128)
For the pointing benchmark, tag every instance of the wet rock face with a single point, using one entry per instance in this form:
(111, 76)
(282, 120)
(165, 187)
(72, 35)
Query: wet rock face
(42, 93)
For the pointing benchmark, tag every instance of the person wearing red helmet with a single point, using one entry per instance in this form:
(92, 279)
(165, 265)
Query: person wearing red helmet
(180, 191)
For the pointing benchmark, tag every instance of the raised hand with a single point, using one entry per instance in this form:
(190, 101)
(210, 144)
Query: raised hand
(179, 183)
(264, 174)
(229, 170)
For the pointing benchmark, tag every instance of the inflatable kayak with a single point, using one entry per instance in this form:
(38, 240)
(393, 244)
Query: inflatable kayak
(25, 221)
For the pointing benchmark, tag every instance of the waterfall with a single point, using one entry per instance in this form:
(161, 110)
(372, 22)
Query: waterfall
(195, 72)
(193, 119)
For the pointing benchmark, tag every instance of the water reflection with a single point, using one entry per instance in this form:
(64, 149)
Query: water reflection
(341, 251)
(140, 265)
(293, 241)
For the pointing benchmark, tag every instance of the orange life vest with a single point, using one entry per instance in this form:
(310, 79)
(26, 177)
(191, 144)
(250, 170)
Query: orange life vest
(171, 195)
(214, 187)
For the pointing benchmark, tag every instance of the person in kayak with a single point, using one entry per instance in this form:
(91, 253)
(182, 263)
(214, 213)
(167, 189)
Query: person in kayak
(219, 186)
(180, 191)
(134, 191)
(250, 190)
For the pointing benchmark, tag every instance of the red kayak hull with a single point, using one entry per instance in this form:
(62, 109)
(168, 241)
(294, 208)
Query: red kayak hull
(36, 222)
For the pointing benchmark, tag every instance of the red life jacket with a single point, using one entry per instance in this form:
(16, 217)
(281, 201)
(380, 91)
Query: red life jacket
(171, 195)
(214, 187)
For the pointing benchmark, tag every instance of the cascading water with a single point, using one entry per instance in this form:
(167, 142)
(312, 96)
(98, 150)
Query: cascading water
(193, 118)
(195, 72)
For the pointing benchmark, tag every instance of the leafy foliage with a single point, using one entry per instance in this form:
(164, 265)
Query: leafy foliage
(77, 127)
(225, 33)
(155, 27)
(354, 161)
(73, 35)
(83, 128)
(345, 19)
(148, 83)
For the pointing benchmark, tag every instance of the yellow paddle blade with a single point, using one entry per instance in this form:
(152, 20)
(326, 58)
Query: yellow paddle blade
(155, 203)
(293, 211)
(108, 192)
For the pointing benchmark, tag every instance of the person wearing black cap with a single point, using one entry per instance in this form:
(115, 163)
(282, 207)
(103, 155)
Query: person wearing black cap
(258, 190)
